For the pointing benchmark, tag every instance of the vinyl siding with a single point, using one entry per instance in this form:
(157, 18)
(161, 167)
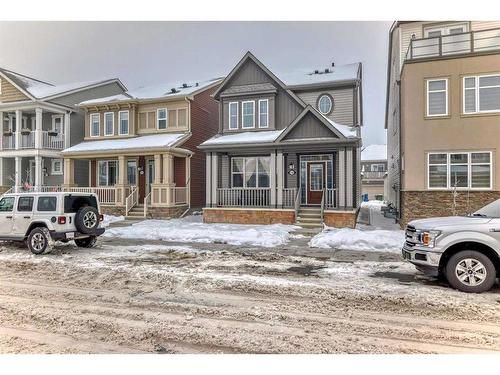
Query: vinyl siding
(9, 93)
(343, 103)
(93, 93)
(309, 127)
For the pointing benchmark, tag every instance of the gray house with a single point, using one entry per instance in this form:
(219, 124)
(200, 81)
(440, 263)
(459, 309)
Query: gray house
(37, 121)
(288, 147)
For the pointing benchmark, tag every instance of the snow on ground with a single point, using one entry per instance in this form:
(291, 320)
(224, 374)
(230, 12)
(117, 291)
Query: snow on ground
(109, 219)
(373, 204)
(191, 229)
(358, 240)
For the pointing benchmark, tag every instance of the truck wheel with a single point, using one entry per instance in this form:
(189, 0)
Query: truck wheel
(87, 220)
(87, 242)
(470, 271)
(39, 241)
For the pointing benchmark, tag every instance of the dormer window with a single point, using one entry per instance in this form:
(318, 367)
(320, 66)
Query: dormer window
(248, 114)
(325, 104)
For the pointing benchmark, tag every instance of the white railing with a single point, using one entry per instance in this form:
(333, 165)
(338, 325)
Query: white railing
(373, 175)
(179, 195)
(331, 199)
(132, 199)
(39, 189)
(323, 204)
(147, 202)
(52, 142)
(106, 195)
(241, 197)
(27, 140)
(9, 142)
(289, 197)
(298, 199)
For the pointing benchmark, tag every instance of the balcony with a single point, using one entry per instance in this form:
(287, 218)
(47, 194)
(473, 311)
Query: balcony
(456, 44)
(373, 175)
(26, 139)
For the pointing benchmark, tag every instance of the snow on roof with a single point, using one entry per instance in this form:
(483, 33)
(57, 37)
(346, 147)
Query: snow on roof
(347, 131)
(308, 77)
(267, 136)
(147, 141)
(107, 99)
(374, 152)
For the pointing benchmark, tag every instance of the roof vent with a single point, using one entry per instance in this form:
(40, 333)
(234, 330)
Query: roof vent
(333, 64)
(184, 85)
(196, 84)
(316, 71)
(327, 70)
(173, 90)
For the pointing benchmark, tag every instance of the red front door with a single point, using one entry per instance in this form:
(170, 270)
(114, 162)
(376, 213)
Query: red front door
(316, 182)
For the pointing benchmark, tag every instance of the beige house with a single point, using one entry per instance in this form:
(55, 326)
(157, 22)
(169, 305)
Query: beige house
(442, 117)
(373, 172)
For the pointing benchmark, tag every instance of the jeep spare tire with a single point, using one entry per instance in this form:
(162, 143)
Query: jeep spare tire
(87, 220)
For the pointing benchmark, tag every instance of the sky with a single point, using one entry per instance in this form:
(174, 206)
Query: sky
(146, 53)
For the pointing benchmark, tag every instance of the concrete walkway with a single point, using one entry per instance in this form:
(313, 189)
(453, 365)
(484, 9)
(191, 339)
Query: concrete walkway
(371, 218)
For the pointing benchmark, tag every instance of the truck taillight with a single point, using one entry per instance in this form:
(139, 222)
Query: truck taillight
(61, 220)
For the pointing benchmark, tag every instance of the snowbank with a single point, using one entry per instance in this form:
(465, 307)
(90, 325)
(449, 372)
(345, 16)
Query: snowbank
(355, 239)
(373, 204)
(109, 219)
(192, 230)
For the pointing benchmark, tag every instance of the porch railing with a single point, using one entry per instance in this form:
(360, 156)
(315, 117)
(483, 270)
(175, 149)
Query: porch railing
(179, 195)
(298, 199)
(289, 197)
(9, 142)
(373, 175)
(147, 202)
(331, 200)
(52, 142)
(28, 140)
(131, 199)
(241, 197)
(106, 195)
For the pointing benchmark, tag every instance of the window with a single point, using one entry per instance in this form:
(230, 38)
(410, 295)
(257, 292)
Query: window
(433, 32)
(57, 167)
(481, 94)
(251, 172)
(377, 167)
(109, 123)
(263, 113)
(57, 124)
(123, 118)
(437, 97)
(132, 172)
(25, 204)
(325, 104)
(161, 115)
(108, 172)
(46, 204)
(7, 204)
(461, 170)
(248, 114)
(94, 125)
(233, 115)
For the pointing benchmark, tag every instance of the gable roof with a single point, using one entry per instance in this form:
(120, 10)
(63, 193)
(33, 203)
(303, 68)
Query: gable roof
(268, 136)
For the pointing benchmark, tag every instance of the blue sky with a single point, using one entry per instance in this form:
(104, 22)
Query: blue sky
(143, 53)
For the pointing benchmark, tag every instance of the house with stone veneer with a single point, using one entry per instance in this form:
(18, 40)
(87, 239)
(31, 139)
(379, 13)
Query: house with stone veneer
(287, 148)
(140, 149)
(442, 117)
(38, 120)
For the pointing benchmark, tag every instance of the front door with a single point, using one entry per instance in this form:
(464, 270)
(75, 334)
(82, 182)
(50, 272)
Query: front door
(316, 183)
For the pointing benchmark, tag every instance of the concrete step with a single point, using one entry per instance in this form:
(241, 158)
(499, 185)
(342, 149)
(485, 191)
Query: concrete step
(309, 214)
(310, 209)
(134, 217)
(310, 225)
(308, 220)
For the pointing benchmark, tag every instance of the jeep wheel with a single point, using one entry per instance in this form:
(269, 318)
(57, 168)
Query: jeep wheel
(87, 220)
(87, 242)
(39, 241)
(471, 271)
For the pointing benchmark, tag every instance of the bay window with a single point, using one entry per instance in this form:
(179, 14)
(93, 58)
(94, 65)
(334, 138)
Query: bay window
(248, 114)
(437, 97)
(124, 125)
(108, 172)
(481, 94)
(250, 172)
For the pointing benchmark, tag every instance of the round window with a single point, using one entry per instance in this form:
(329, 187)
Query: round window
(325, 104)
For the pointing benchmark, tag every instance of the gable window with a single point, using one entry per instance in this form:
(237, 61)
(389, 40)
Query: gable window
(251, 172)
(95, 125)
(264, 113)
(109, 123)
(123, 119)
(108, 172)
(437, 97)
(481, 94)
(325, 104)
(161, 115)
(248, 114)
(56, 167)
(461, 170)
(233, 115)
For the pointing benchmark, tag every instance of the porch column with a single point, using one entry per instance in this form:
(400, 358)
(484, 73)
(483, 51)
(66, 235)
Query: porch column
(122, 179)
(18, 173)
(168, 177)
(272, 178)
(342, 181)
(279, 178)
(38, 128)
(208, 180)
(69, 173)
(215, 177)
(157, 176)
(19, 122)
(67, 130)
(1, 132)
(188, 181)
(1, 173)
(349, 176)
(38, 171)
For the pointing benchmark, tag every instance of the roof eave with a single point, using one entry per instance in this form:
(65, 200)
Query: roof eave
(88, 87)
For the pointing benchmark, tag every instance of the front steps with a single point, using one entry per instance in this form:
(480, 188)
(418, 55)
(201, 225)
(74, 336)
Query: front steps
(136, 213)
(309, 217)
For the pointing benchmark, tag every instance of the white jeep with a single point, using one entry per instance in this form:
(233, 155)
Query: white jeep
(39, 219)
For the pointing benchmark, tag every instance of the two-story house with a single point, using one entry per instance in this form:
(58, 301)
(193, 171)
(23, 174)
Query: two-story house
(373, 172)
(288, 146)
(37, 121)
(442, 117)
(140, 149)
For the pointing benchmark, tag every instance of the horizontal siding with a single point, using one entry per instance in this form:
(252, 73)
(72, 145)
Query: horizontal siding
(484, 25)
(9, 93)
(343, 103)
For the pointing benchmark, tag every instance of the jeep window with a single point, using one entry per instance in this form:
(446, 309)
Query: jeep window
(47, 204)
(25, 204)
(72, 203)
(7, 204)
(490, 210)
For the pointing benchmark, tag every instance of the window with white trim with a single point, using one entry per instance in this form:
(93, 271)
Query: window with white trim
(109, 123)
(377, 167)
(481, 94)
(431, 32)
(233, 115)
(460, 170)
(124, 123)
(263, 113)
(95, 125)
(56, 167)
(325, 104)
(161, 118)
(250, 172)
(57, 124)
(437, 97)
(248, 114)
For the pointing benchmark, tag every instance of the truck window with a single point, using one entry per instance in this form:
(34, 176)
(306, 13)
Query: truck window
(7, 204)
(72, 203)
(47, 204)
(25, 204)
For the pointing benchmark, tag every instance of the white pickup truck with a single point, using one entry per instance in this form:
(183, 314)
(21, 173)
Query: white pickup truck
(39, 219)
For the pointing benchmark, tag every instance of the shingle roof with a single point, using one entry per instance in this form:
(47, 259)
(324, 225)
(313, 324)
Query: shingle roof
(258, 87)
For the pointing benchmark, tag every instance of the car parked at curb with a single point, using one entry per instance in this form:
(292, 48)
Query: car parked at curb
(40, 219)
(463, 249)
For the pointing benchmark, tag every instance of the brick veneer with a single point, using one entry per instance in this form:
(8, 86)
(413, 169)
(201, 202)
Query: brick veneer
(248, 216)
(425, 204)
(165, 212)
(340, 219)
(113, 210)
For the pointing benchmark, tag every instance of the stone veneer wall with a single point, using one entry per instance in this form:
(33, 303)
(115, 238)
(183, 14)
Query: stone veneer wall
(425, 204)
(166, 212)
(113, 210)
(248, 216)
(340, 219)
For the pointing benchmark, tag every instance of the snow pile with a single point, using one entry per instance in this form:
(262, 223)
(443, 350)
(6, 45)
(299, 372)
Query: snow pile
(373, 205)
(355, 239)
(109, 219)
(190, 230)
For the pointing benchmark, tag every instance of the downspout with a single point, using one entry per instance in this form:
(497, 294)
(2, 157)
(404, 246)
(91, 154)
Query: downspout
(188, 185)
(399, 194)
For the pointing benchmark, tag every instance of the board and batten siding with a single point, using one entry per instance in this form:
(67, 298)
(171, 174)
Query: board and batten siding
(271, 112)
(309, 127)
(9, 93)
(343, 103)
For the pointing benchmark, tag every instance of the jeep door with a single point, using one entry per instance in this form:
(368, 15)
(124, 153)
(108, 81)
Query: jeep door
(6, 216)
(23, 215)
